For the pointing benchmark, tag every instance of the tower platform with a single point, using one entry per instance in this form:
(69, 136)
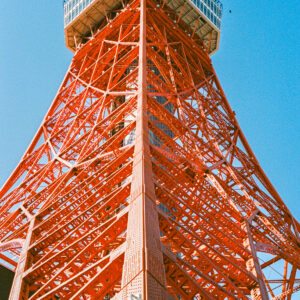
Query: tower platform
(202, 17)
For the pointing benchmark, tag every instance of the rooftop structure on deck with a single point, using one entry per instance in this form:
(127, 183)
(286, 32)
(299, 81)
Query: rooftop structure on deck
(202, 16)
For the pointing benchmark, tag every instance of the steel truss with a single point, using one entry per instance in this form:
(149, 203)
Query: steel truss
(140, 183)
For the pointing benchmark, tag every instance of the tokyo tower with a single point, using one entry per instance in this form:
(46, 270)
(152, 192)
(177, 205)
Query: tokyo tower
(139, 183)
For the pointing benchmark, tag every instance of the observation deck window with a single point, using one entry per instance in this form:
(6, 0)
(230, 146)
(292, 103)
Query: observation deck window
(73, 8)
(212, 9)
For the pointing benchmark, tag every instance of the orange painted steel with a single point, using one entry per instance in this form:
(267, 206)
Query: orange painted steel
(140, 183)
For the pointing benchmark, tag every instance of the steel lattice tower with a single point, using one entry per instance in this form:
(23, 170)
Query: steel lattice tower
(139, 183)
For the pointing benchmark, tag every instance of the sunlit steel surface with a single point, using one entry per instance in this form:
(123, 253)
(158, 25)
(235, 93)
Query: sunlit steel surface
(140, 184)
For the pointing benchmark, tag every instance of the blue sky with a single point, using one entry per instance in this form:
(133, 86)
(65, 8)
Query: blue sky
(257, 64)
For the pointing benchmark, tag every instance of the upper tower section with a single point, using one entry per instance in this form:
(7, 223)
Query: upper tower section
(202, 16)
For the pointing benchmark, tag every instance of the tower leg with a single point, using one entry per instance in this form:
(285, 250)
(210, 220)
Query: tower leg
(259, 291)
(19, 289)
(143, 271)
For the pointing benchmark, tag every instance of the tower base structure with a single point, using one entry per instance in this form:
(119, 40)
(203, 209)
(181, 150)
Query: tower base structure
(140, 184)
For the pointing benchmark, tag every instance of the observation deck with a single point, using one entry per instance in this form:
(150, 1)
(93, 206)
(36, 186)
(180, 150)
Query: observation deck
(202, 16)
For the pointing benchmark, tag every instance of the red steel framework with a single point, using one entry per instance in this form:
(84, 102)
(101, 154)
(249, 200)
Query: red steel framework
(106, 204)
